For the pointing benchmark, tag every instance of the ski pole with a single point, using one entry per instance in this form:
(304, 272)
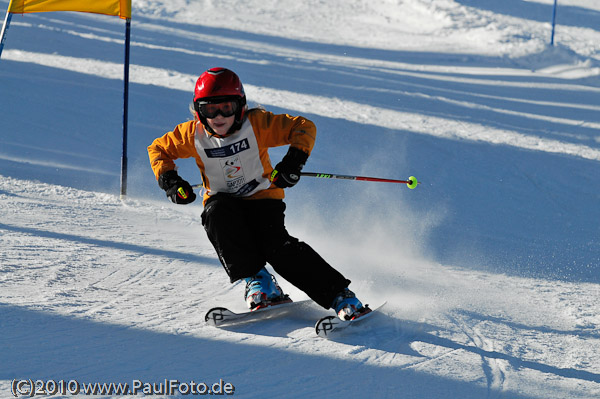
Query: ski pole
(411, 182)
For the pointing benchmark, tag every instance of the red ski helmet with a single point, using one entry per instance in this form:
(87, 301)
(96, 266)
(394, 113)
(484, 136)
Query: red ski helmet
(217, 85)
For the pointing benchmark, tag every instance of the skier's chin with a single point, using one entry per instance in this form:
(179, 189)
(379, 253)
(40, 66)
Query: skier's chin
(221, 127)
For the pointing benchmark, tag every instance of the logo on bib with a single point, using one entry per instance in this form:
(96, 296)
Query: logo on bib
(233, 173)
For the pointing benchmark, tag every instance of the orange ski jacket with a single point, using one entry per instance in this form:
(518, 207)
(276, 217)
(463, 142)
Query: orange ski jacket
(237, 164)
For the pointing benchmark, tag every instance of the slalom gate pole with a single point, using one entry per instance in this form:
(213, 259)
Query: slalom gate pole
(5, 26)
(125, 108)
(553, 22)
(411, 182)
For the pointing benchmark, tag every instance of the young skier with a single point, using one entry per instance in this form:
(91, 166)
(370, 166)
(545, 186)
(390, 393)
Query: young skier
(243, 194)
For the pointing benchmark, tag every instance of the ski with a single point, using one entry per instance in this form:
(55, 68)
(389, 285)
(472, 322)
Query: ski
(329, 325)
(220, 316)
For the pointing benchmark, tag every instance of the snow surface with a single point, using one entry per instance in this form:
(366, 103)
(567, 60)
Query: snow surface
(490, 268)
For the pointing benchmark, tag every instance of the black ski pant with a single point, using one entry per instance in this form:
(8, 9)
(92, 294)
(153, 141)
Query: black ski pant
(249, 233)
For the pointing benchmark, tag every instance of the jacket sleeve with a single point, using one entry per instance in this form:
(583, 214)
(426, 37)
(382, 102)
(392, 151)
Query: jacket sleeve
(176, 144)
(277, 130)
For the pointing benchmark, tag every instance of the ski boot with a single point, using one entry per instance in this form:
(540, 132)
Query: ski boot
(262, 290)
(347, 306)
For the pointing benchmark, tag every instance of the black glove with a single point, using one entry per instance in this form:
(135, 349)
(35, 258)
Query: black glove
(178, 190)
(287, 172)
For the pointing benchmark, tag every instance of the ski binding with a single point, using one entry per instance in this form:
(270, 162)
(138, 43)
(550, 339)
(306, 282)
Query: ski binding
(328, 325)
(220, 316)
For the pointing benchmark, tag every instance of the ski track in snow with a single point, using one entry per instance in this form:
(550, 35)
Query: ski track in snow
(102, 290)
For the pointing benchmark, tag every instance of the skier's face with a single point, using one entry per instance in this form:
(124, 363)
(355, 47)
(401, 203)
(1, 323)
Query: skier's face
(221, 124)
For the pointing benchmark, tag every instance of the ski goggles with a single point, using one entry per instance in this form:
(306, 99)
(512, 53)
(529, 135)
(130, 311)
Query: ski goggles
(210, 110)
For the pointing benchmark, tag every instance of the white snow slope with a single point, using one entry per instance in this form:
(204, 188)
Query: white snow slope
(490, 268)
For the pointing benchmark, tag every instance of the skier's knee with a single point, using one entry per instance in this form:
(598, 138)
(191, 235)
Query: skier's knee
(287, 248)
